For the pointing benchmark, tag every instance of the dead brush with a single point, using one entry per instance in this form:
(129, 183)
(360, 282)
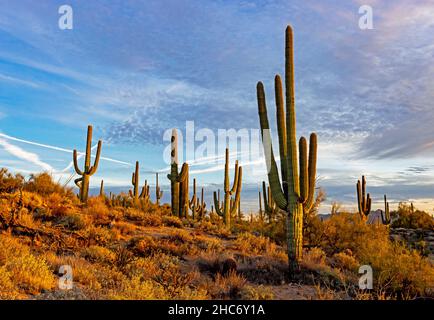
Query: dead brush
(229, 286)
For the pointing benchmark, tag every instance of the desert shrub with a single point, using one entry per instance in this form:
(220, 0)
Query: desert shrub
(97, 208)
(99, 235)
(43, 184)
(256, 293)
(397, 271)
(57, 205)
(28, 272)
(9, 182)
(347, 231)
(412, 219)
(124, 228)
(345, 260)
(83, 270)
(31, 201)
(171, 221)
(137, 289)
(229, 286)
(8, 290)
(98, 254)
(258, 245)
(143, 218)
(208, 243)
(73, 221)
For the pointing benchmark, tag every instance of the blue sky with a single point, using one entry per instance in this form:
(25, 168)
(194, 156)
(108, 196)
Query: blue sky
(135, 69)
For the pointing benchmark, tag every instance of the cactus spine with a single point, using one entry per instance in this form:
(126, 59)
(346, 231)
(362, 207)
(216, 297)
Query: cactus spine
(83, 182)
(178, 180)
(229, 207)
(363, 200)
(158, 192)
(385, 218)
(296, 193)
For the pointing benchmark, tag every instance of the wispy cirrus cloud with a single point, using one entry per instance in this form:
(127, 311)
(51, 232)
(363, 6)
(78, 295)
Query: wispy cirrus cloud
(25, 155)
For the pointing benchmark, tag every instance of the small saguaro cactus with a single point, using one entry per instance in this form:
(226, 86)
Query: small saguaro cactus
(194, 203)
(158, 191)
(83, 182)
(229, 208)
(101, 189)
(135, 181)
(363, 200)
(296, 192)
(270, 206)
(385, 217)
(178, 180)
(202, 206)
(260, 202)
(197, 206)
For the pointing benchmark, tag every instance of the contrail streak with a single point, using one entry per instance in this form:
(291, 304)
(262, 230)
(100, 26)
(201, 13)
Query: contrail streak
(57, 148)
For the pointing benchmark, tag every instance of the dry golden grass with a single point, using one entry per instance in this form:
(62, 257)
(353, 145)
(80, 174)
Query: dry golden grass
(141, 252)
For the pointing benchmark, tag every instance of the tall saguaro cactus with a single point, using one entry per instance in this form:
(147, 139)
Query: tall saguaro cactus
(296, 192)
(178, 180)
(363, 199)
(229, 207)
(158, 191)
(89, 170)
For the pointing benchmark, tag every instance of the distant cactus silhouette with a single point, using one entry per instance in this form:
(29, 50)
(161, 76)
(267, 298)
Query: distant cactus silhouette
(158, 191)
(229, 207)
(385, 217)
(363, 200)
(270, 206)
(178, 181)
(197, 206)
(296, 192)
(101, 189)
(83, 182)
(144, 195)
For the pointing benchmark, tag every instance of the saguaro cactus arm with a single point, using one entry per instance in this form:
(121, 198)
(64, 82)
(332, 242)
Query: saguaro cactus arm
(75, 160)
(217, 207)
(93, 169)
(273, 174)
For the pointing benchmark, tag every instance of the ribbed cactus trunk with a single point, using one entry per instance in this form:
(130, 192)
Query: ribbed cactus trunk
(178, 180)
(83, 182)
(296, 192)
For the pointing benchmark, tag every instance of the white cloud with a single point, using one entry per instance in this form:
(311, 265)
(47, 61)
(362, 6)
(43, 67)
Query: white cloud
(25, 155)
